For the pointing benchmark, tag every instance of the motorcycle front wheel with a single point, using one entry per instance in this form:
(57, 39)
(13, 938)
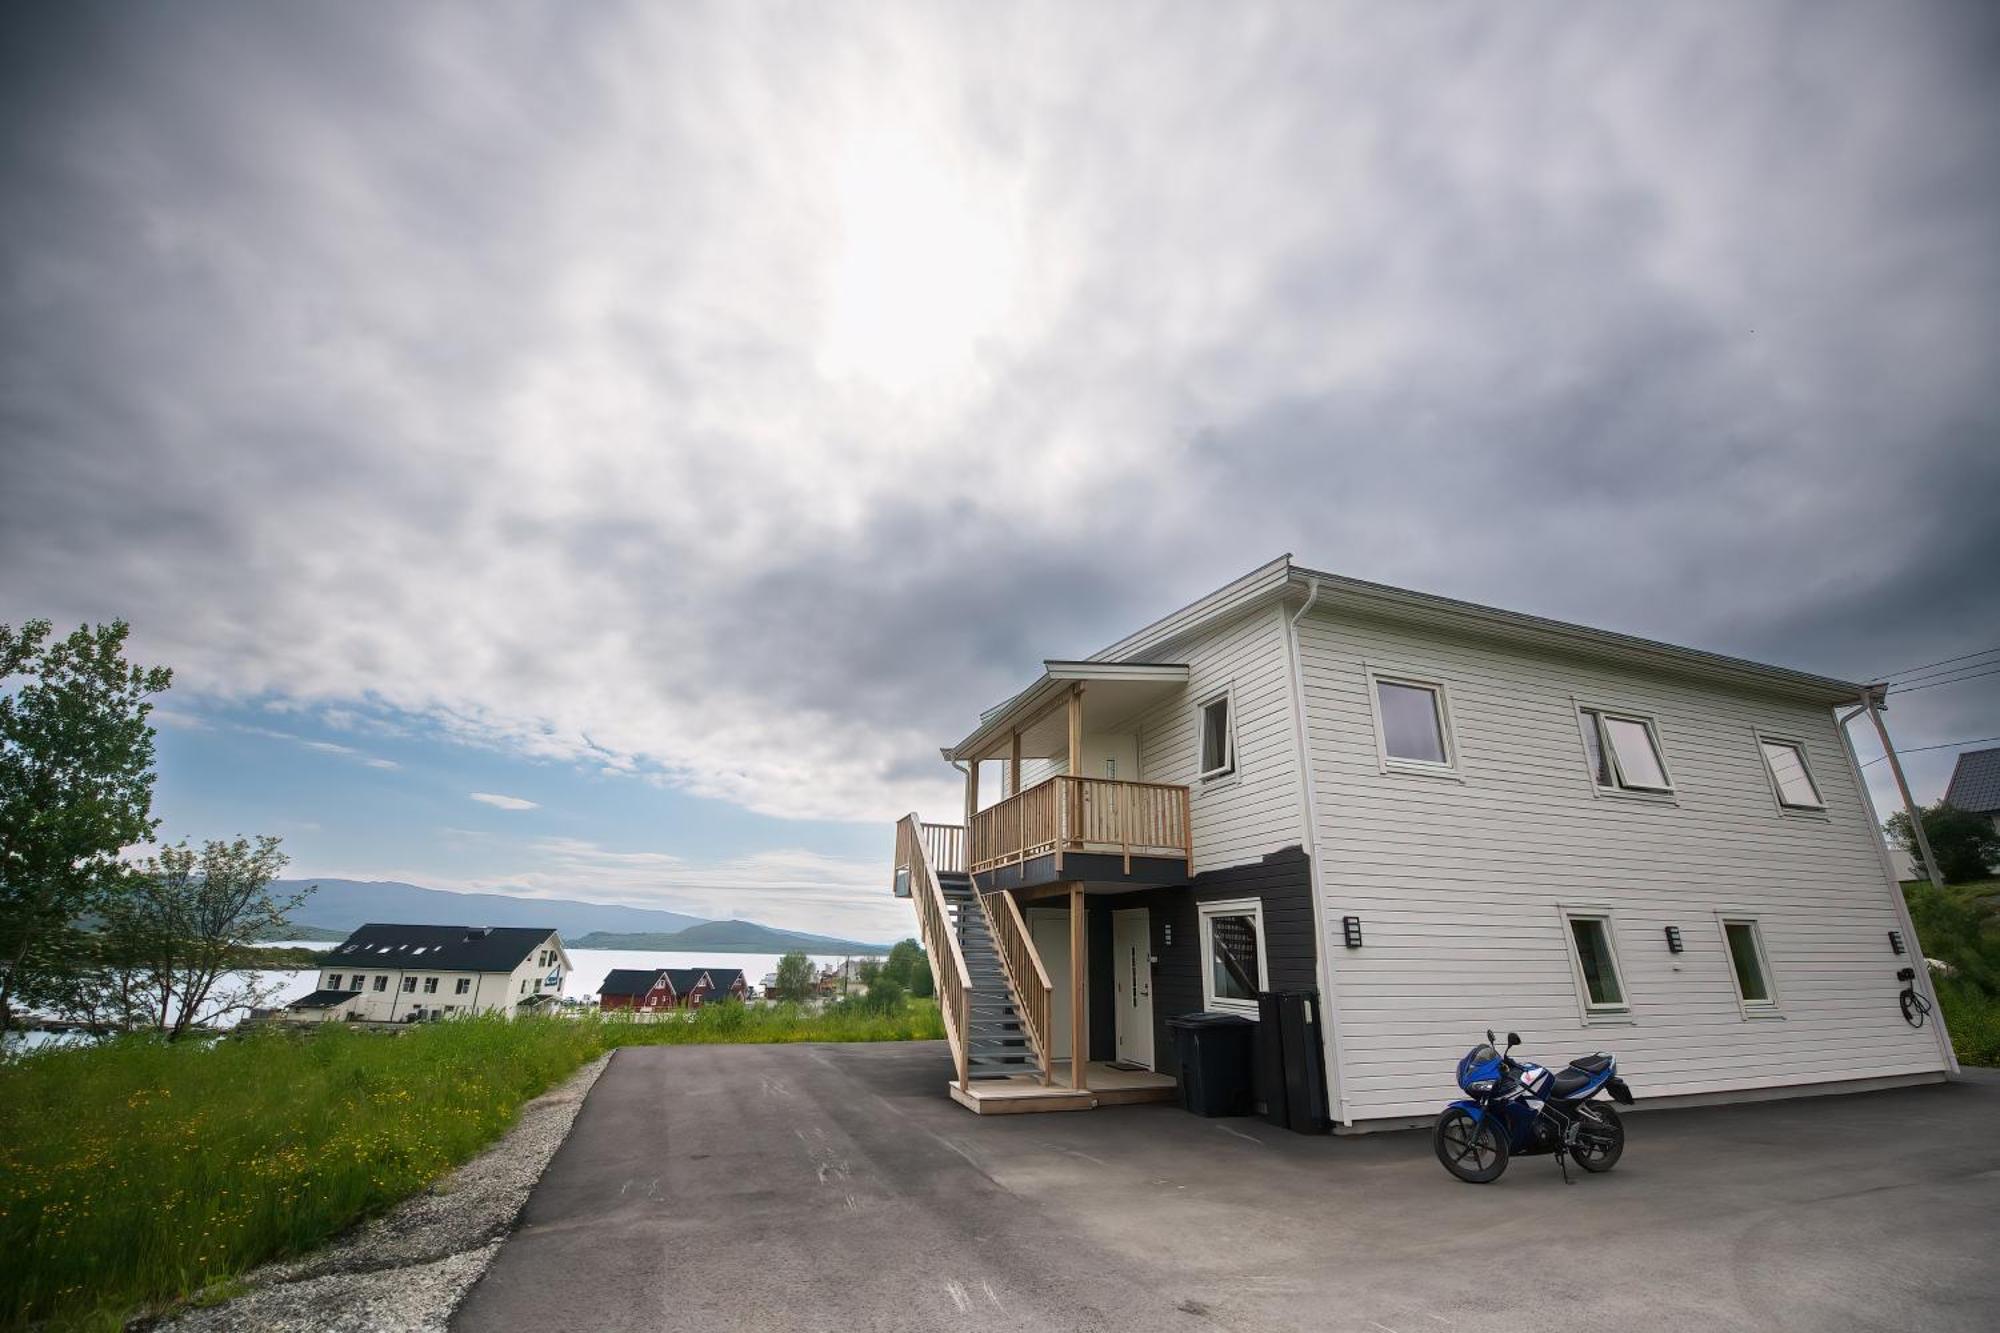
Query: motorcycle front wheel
(1470, 1147)
(1600, 1137)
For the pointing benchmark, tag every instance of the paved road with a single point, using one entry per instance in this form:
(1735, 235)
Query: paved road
(834, 1187)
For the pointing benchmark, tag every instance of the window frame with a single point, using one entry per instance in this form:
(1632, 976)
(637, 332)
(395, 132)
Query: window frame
(1447, 730)
(1205, 916)
(335, 980)
(1592, 1010)
(1225, 696)
(1770, 1007)
(463, 986)
(1797, 747)
(1590, 717)
(381, 983)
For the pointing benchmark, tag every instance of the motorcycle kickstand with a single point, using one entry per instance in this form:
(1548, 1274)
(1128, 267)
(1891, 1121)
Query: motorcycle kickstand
(1562, 1162)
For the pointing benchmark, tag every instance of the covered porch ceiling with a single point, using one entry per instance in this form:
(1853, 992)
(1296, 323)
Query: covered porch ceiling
(1111, 695)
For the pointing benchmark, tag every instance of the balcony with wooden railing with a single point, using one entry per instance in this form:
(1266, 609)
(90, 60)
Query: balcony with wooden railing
(1043, 829)
(916, 875)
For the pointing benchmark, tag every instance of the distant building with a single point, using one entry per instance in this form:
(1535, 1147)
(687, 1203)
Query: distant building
(729, 984)
(1975, 784)
(649, 989)
(395, 974)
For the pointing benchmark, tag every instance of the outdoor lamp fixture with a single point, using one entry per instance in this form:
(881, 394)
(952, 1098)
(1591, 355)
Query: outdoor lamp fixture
(1674, 939)
(1351, 927)
(1896, 942)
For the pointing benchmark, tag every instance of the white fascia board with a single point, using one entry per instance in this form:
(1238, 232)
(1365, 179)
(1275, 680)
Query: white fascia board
(1236, 596)
(1338, 592)
(1055, 678)
(1139, 671)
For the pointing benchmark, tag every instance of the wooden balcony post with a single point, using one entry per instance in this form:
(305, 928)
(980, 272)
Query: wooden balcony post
(971, 791)
(1014, 768)
(1076, 731)
(1079, 970)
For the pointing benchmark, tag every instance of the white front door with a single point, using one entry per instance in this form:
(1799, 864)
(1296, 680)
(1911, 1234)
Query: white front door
(1049, 928)
(1132, 988)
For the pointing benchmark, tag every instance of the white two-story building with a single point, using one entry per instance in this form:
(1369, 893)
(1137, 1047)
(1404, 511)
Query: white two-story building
(393, 974)
(1438, 817)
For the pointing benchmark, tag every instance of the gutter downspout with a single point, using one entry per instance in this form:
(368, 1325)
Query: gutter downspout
(1309, 811)
(1902, 908)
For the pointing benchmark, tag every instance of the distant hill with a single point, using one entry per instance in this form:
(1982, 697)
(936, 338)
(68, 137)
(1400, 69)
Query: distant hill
(724, 937)
(317, 934)
(341, 905)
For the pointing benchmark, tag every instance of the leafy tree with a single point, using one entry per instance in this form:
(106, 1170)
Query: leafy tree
(901, 965)
(1966, 844)
(885, 995)
(184, 923)
(795, 978)
(76, 785)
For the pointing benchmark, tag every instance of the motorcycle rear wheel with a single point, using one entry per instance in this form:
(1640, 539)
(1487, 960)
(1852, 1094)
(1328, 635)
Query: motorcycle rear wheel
(1471, 1148)
(1598, 1145)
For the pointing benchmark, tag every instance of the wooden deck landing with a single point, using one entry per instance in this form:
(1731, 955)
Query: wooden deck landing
(1023, 1094)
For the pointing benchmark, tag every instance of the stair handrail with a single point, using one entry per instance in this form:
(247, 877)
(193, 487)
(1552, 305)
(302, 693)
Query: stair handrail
(1026, 977)
(954, 982)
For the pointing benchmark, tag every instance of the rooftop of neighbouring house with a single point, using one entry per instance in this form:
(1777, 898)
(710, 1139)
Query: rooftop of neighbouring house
(630, 980)
(443, 948)
(1975, 782)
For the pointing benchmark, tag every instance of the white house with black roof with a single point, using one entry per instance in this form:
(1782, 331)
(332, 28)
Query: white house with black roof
(1975, 784)
(396, 973)
(1436, 816)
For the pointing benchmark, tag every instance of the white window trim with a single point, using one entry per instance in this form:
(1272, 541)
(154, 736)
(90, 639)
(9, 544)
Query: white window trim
(1250, 907)
(1389, 763)
(1591, 1011)
(1669, 795)
(1777, 793)
(1227, 695)
(1752, 1009)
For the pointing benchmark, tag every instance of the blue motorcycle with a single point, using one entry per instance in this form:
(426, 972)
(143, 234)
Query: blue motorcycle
(1517, 1109)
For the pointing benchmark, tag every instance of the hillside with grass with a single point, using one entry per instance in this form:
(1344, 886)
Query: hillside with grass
(1959, 926)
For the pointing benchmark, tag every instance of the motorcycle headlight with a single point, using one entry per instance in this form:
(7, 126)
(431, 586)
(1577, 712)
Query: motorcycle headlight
(1479, 1087)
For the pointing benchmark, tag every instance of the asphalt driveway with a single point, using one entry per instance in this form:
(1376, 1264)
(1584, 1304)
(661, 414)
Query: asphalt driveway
(835, 1187)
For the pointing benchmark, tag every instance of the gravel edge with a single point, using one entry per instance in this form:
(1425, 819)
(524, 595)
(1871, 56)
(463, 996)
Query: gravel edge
(408, 1269)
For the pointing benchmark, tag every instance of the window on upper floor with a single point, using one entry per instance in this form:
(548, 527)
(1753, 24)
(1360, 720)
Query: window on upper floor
(333, 981)
(430, 985)
(464, 985)
(1413, 725)
(409, 985)
(1624, 752)
(1218, 737)
(381, 983)
(1790, 777)
(1596, 960)
(354, 983)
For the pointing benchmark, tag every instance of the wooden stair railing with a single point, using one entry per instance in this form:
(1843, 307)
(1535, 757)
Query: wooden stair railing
(1026, 977)
(954, 983)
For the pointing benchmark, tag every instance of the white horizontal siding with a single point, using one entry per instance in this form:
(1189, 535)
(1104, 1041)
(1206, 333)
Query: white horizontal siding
(1255, 810)
(1457, 882)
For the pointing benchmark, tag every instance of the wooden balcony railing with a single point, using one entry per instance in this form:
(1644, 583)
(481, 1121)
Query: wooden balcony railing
(1067, 814)
(944, 844)
(1029, 980)
(954, 984)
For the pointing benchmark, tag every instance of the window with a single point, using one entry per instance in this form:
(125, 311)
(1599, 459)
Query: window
(355, 982)
(430, 985)
(1624, 752)
(1218, 738)
(381, 983)
(333, 981)
(409, 985)
(1789, 775)
(1413, 726)
(524, 988)
(464, 985)
(1747, 962)
(1596, 961)
(1232, 947)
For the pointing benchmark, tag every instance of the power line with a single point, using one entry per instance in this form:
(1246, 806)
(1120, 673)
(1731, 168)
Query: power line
(1919, 749)
(1942, 671)
(1905, 689)
(1925, 666)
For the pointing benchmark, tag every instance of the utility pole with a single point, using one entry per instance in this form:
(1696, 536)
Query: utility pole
(1869, 701)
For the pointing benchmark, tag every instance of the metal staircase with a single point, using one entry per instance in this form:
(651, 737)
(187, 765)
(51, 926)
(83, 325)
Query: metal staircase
(997, 1044)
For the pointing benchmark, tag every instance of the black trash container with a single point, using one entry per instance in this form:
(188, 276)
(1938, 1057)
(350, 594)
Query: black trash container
(1214, 1054)
(1305, 1061)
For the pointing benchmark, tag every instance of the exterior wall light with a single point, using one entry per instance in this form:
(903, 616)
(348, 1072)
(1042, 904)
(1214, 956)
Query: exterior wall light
(1674, 944)
(1896, 942)
(1350, 926)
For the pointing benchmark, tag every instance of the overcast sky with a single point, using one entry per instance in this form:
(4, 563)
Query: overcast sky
(606, 449)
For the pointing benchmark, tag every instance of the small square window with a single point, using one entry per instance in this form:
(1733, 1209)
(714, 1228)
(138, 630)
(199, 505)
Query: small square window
(1412, 719)
(430, 985)
(1232, 944)
(1218, 739)
(409, 985)
(1596, 961)
(355, 982)
(464, 985)
(333, 981)
(381, 983)
(1624, 752)
(1748, 964)
(1787, 762)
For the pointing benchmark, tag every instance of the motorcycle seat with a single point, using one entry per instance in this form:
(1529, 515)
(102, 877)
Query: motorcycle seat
(1592, 1064)
(1569, 1082)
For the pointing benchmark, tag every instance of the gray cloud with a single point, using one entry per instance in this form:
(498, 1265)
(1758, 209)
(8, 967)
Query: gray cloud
(747, 396)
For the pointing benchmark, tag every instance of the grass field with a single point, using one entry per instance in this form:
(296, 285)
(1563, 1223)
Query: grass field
(1960, 927)
(135, 1174)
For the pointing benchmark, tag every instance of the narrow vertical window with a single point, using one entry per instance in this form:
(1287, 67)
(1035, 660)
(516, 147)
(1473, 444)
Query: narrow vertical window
(1596, 962)
(1789, 775)
(1747, 962)
(1218, 748)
